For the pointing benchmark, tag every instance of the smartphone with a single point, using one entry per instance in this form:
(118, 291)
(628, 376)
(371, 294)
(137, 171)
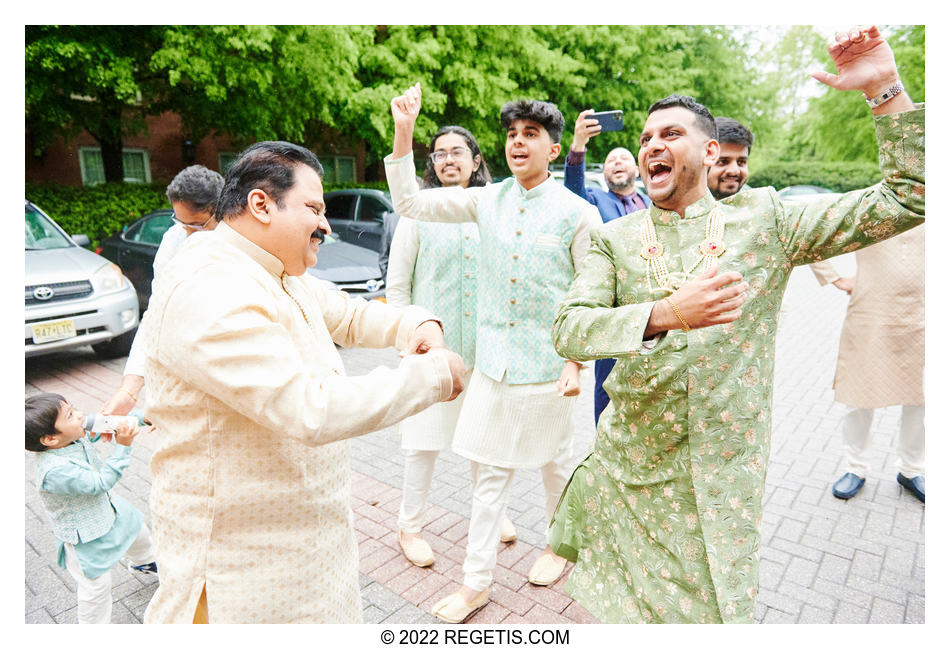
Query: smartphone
(610, 120)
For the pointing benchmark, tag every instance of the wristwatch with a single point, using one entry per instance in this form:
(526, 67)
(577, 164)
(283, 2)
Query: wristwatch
(887, 95)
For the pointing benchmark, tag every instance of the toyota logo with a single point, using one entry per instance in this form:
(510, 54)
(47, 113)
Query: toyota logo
(42, 292)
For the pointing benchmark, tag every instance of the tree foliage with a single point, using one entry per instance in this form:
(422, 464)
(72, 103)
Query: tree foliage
(327, 86)
(836, 126)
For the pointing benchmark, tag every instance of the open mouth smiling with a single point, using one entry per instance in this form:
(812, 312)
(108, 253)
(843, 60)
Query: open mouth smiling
(659, 171)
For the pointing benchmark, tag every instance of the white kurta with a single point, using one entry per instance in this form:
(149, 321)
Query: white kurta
(168, 248)
(251, 480)
(502, 424)
(433, 428)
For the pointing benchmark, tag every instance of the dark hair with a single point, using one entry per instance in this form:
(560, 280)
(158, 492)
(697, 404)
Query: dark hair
(196, 185)
(704, 119)
(41, 413)
(543, 112)
(733, 132)
(268, 166)
(480, 175)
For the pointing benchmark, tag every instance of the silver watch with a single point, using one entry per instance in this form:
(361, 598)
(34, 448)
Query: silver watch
(887, 95)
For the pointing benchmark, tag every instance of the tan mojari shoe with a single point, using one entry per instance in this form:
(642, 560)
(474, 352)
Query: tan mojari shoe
(508, 533)
(417, 551)
(546, 569)
(455, 609)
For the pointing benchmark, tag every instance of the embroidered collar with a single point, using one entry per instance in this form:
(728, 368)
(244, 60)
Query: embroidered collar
(652, 251)
(270, 263)
(697, 209)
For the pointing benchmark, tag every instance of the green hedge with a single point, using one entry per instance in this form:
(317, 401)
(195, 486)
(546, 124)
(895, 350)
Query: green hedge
(836, 176)
(97, 211)
(369, 184)
(100, 210)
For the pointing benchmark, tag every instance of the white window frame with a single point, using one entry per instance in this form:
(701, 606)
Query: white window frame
(329, 160)
(95, 149)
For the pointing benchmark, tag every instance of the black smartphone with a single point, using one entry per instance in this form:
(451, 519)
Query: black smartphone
(610, 120)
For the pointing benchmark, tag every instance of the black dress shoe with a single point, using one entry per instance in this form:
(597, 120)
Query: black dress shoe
(847, 486)
(913, 485)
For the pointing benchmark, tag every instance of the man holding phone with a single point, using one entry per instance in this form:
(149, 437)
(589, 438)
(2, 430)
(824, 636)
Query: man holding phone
(620, 172)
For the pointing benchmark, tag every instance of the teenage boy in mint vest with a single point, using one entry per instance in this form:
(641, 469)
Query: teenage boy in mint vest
(95, 528)
(533, 233)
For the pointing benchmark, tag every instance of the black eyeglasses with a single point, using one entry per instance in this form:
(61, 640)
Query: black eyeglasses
(192, 226)
(456, 153)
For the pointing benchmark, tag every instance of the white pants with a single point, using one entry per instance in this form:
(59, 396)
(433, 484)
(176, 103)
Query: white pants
(417, 476)
(94, 596)
(492, 486)
(856, 431)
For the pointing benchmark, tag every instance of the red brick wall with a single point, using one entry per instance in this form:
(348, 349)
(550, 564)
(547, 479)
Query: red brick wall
(59, 164)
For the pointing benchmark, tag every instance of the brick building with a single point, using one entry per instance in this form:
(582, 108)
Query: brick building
(162, 151)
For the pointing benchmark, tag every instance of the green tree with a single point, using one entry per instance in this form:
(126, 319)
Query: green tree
(89, 77)
(837, 126)
(258, 82)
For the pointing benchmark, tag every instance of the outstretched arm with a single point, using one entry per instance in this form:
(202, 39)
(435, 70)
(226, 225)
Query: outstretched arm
(865, 62)
(825, 228)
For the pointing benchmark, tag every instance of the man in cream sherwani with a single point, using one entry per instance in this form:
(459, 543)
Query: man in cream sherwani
(250, 480)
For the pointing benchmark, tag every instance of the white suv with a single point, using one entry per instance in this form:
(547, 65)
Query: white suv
(73, 296)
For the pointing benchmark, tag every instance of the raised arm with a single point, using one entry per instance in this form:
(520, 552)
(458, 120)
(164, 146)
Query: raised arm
(575, 164)
(825, 228)
(449, 204)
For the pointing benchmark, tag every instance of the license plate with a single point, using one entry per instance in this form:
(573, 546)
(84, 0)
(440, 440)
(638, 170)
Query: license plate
(49, 331)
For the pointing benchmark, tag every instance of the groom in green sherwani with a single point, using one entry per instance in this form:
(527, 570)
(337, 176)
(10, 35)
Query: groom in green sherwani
(662, 518)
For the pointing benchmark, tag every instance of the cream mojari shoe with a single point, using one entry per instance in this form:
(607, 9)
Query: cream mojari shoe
(455, 609)
(546, 569)
(508, 533)
(417, 550)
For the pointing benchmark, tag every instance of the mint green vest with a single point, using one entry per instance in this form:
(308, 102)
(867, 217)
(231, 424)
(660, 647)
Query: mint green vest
(445, 281)
(76, 518)
(525, 270)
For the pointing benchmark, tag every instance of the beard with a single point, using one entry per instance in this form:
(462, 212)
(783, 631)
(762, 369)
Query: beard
(621, 187)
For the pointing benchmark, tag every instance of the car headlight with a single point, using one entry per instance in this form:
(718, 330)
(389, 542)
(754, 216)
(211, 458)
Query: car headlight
(108, 279)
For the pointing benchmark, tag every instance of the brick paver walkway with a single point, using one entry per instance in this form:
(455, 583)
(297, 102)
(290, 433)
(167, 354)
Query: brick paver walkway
(823, 560)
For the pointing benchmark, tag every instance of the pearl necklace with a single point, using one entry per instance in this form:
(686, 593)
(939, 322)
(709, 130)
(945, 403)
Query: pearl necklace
(712, 247)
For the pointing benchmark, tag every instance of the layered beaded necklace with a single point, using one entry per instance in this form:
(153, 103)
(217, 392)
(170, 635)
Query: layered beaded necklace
(711, 247)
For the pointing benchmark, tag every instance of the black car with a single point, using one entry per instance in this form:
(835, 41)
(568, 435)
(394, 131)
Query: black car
(350, 268)
(356, 215)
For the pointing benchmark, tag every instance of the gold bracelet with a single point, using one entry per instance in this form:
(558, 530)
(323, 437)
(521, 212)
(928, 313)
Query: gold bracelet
(679, 316)
(134, 398)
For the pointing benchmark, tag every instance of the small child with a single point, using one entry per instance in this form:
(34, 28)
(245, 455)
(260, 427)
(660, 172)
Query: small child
(95, 528)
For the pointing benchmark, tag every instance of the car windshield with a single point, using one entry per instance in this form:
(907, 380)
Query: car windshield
(41, 234)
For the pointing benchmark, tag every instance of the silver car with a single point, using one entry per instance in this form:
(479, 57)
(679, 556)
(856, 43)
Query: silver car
(73, 296)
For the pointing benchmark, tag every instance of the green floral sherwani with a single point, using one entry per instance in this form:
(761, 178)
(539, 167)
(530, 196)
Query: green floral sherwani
(662, 518)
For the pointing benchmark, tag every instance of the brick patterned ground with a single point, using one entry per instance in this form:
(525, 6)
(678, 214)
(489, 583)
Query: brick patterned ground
(823, 560)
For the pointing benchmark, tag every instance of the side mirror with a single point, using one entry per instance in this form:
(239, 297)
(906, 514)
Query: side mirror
(80, 240)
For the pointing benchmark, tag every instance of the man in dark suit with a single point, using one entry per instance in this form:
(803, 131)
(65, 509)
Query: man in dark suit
(620, 172)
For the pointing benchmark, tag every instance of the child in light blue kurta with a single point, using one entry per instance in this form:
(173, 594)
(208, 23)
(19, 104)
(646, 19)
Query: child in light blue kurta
(95, 529)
